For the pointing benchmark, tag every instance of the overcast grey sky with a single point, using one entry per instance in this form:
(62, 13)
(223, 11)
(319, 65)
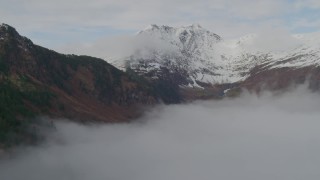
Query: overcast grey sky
(59, 22)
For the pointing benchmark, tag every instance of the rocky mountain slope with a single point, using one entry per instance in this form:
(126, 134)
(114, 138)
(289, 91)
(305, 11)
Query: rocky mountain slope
(35, 81)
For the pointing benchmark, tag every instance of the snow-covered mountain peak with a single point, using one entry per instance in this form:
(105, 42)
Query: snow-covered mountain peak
(165, 27)
(191, 50)
(154, 27)
(196, 25)
(165, 32)
(193, 39)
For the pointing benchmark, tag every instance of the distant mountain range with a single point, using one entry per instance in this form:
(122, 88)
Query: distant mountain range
(178, 65)
(198, 58)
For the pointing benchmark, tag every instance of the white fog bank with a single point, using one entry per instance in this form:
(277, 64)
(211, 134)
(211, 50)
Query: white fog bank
(249, 138)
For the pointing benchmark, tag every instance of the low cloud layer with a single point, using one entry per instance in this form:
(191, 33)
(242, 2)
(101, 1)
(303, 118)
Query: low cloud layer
(249, 138)
(273, 40)
(121, 46)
